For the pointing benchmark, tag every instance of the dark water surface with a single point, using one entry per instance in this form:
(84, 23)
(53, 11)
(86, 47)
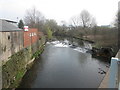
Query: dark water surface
(64, 67)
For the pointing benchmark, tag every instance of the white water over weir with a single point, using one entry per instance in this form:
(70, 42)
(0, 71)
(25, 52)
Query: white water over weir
(87, 45)
(67, 44)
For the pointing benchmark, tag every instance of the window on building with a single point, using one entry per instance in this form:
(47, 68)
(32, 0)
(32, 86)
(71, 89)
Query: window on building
(9, 37)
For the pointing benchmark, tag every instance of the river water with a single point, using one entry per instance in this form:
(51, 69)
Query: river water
(64, 66)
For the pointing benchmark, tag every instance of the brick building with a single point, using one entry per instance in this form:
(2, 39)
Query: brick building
(30, 36)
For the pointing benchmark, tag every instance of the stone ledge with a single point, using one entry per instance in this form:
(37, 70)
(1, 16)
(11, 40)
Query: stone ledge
(105, 81)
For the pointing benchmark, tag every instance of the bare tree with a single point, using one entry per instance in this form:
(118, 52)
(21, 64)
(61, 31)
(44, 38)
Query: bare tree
(75, 21)
(118, 18)
(85, 18)
(34, 18)
(117, 24)
(93, 22)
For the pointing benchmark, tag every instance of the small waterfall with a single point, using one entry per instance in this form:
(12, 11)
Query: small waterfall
(79, 49)
(87, 45)
(75, 46)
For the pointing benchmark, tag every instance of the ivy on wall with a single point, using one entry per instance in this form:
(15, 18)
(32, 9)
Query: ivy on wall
(15, 68)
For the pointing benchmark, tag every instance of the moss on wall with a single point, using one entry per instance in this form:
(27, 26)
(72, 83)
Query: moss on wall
(15, 68)
(15, 65)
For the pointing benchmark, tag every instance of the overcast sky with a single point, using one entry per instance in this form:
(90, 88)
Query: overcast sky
(103, 10)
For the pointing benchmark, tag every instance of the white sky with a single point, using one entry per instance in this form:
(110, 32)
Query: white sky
(103, 10)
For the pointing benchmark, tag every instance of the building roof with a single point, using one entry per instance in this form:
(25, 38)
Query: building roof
(8, 26)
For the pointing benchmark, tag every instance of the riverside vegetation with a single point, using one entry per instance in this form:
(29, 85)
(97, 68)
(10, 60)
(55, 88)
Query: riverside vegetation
(82, 26)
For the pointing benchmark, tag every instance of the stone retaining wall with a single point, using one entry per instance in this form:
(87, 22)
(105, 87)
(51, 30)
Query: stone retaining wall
(17, 65)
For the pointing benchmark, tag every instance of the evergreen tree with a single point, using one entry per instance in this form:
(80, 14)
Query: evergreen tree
(21, 24)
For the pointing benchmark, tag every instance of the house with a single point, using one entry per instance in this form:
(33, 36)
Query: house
(11, 38)
(30, 36)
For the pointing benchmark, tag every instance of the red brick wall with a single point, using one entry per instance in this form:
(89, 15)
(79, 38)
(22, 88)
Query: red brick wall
(40, 34)
(30, 36)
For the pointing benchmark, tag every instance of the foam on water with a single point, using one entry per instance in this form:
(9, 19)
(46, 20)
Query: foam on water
(83, 50)
(48, 43)
(87, 45)
(55, 42)
(61, 45)
(66, 44)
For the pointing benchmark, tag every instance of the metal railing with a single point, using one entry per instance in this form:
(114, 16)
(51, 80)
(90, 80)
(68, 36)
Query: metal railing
(114, 79)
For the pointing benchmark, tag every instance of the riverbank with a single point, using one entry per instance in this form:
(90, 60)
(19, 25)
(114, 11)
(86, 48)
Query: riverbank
(18, 64)
(90, 41)
(101, 49)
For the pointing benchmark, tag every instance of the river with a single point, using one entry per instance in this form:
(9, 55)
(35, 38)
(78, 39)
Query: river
(64, 66)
